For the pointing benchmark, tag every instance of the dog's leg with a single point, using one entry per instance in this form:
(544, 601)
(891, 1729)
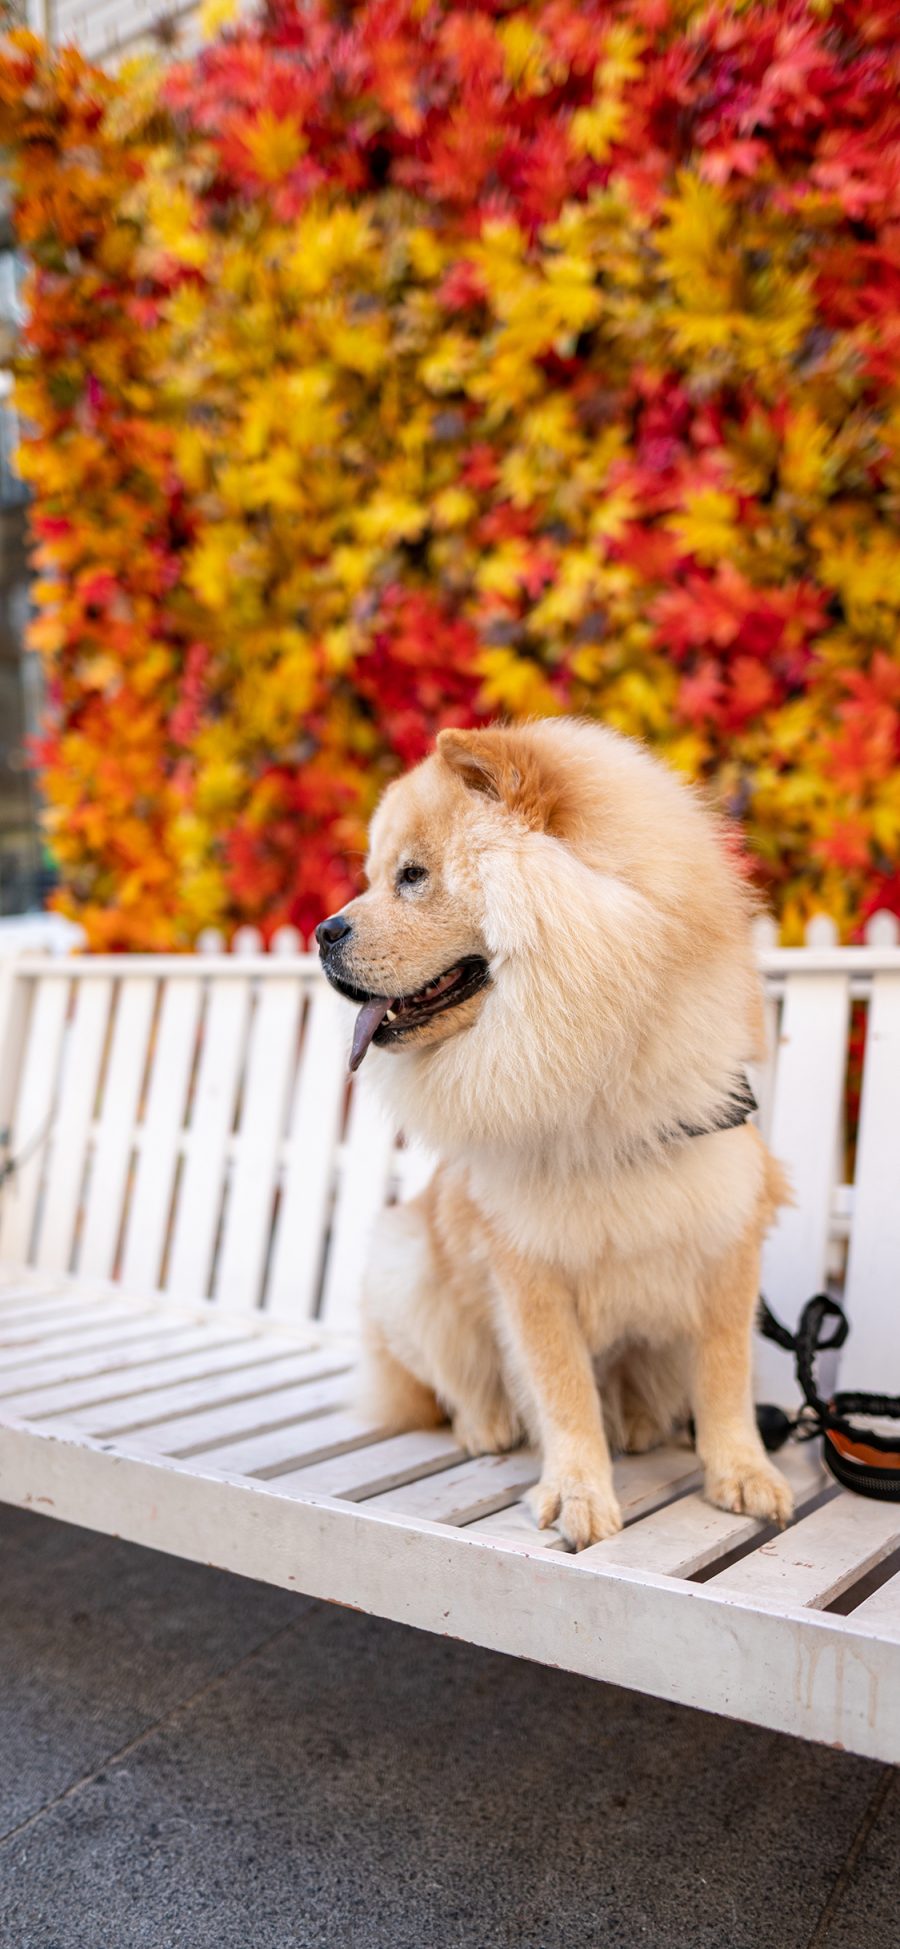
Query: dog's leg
(429, 1350)
(645, 1398)
(387, 1392)
(739, 1474)
(548, 1346)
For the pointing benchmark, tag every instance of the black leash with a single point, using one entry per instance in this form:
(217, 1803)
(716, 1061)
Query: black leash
(859, 1458)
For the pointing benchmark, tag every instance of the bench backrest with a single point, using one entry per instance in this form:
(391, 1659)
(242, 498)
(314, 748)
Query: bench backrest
(185, 1123)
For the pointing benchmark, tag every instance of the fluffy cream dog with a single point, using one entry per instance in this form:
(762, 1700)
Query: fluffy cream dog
(552, 961)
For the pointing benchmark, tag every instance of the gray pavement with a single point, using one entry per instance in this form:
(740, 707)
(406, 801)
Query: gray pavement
(189, 1761)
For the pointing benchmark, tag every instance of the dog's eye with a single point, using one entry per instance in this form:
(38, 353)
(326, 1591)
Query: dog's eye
(409, 876)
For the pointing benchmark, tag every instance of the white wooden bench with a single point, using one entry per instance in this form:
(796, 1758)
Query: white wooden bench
(182, 1241)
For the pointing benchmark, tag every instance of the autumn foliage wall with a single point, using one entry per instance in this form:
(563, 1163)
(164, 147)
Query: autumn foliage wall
(403, 363)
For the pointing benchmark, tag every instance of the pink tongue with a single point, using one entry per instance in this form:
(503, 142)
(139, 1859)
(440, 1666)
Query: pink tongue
(370, 1018)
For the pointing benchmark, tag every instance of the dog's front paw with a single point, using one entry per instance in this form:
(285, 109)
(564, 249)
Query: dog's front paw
(752, 1486)
(490, 1432)
(584, 1512)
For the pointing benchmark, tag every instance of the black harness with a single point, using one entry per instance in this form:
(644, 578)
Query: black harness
(738, 1107)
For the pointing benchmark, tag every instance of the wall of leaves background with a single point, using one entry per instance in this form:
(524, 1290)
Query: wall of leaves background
(491, 359)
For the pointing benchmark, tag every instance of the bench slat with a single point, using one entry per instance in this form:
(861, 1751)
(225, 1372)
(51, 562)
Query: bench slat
(31, 1124)
(248, 1211)
(368, 1163)
(880, 1613)
(148, 1214)
(514, 1528)
(762, 1074)
(819, 1557)
(122, 1362)
(381, 1465)
(111, 1159)
(685, 1536)
(209, 1428)
(207, 1358)
(17, 1303)
(282, 1450)
(301, 1224)
(805, 1121)
(54, 1335)
(248, 1390)
(459, 1495)
(642, 1482)
(81, 1072)
(41, 1310)
(871, 1357)
(21, 1286)
(200, 1191)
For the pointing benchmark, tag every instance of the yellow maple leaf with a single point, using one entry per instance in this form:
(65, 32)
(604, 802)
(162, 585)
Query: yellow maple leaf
(340, 645)
(806, 443)
(362, 348)
(706, 527)
(192, 457)
(515, 684)
(210, 564)
(693, 244)
(594, 130)
(502, 571)
(622, 52)
(328, 243)
(352, 567)
(214, 15)
(448, 361)
(572, 591)
(220, 784)
(527, 58)
(275, 145)
(427, 252)
(453, 507)
(175, 218)
(687, 753)
(391, 517)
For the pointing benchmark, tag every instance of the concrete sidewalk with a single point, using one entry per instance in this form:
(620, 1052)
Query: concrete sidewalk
(194, 1762)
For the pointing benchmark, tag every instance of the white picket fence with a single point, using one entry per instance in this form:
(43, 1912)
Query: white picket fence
(182, 1241)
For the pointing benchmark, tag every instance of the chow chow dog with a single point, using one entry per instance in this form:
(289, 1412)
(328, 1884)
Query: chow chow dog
(552, 969)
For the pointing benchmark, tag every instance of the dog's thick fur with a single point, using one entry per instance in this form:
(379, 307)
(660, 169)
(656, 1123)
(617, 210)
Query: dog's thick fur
(571, 1235)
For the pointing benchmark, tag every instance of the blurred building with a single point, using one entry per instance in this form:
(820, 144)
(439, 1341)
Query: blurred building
(24, 873)
(106, 30)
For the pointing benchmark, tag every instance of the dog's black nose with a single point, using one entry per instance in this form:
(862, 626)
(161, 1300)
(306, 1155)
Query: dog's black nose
(332, 930)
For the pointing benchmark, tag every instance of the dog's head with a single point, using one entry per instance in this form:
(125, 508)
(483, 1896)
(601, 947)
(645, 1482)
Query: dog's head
(534, 893)
(412, 951)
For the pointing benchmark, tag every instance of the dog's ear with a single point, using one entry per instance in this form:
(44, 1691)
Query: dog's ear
(506, 765)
